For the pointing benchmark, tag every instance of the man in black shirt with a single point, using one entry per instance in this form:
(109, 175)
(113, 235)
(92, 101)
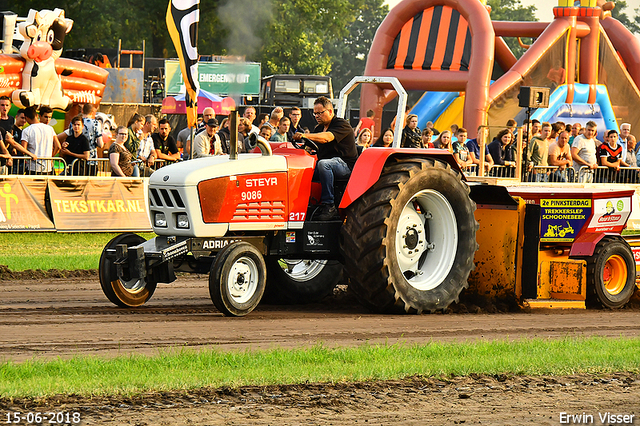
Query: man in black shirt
(337, 152)
(164, 144)
(76, 147)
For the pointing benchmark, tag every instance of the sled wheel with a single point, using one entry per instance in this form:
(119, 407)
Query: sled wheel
(293, 281)
(237, 279)
(409, 241)
(126, 293)
(611, 274)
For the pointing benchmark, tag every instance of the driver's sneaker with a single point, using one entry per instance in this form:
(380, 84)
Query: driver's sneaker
(327, 212)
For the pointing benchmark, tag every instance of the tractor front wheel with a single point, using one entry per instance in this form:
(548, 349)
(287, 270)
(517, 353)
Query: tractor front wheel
(409, 241)
(125, 292)
(237, 279)
(611, 272)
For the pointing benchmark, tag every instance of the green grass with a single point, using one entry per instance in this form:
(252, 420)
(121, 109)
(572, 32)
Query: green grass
(185, 369)
(21, 251)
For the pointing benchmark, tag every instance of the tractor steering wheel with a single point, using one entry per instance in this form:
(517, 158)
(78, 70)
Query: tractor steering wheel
(306, 143)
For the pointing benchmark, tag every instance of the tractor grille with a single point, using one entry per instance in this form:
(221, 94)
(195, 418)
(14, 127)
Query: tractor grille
(165, 198)
(264, 210)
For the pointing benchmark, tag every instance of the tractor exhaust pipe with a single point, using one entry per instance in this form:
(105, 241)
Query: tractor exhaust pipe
(233, 135)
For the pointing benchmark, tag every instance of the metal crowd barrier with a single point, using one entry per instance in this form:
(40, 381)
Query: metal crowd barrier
(92, 167)
(550, 174)
(54, 166)
(57, 166)
(604, 174)
(502, 171)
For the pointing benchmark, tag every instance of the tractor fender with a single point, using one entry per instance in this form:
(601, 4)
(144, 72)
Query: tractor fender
(368, 168)
(586, 243)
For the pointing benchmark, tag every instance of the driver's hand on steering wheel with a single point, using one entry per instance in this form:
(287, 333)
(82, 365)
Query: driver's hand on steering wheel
(297, 136)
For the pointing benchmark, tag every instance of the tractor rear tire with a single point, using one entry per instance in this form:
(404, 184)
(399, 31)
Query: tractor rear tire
(291, 282)
(237, 279)
(121, 292)
(611, 274)
(410, 240)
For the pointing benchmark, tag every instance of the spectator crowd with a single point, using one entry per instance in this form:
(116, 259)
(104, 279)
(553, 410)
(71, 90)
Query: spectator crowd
(551, 151)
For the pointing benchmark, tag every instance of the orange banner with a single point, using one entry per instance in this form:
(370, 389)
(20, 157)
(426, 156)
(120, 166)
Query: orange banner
(22, 205)
(98, 205)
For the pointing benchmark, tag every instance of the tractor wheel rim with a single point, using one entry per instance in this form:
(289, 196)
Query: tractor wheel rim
(133, 285)
(427, 228)
(302, 270)
(614, 274)
(242, 281)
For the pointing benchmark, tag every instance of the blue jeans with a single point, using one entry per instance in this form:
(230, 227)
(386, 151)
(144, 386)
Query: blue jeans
(326, 171)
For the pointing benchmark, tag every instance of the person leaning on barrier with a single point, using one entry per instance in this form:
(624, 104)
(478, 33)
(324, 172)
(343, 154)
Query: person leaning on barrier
(12, 142)
(265, 131)
(6, 161)
(207, 143)
(460, 150)
(134, 127)
(146, 151)
(41, 140)
(281, 132)
(244, 129)
(583, 151)
(385, 139)
(499, 149)
(411, 135)
(473, 145)
(560, 156)
(164, 143)
(120, 157)
(611, 154)
(630, 158)
(575, 132)
(6, 121)
(75, 148)
(250, 114)
(443, 141)
(427, 136)
(207, 114)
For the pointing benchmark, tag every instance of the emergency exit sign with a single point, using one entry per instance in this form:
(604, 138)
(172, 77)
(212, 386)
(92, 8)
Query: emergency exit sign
(220, 78)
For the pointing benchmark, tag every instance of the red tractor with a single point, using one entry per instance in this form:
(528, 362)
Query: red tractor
(406, 236)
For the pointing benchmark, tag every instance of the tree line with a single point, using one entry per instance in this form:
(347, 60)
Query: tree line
(285, 36)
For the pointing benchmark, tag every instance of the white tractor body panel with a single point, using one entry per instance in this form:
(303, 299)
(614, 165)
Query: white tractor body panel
(173, 190)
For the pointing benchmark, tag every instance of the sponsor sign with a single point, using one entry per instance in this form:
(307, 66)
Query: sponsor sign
(610, 214)
(98, 205)
(22, 205)
(221, 78)
(562, 219)
(636, 253)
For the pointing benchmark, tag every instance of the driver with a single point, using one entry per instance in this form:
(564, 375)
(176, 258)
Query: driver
(337, 152)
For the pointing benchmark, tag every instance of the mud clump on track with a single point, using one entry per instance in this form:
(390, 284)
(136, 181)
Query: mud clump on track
(7, 274)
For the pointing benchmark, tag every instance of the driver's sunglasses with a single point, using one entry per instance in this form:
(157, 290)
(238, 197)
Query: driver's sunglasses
(317, 114)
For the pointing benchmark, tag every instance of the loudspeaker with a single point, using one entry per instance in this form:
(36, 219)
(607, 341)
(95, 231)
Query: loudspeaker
(533, 97)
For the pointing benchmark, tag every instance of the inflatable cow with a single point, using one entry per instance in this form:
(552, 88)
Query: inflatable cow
(43, 34)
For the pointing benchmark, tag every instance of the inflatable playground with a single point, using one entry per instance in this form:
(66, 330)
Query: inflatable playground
(455, 53)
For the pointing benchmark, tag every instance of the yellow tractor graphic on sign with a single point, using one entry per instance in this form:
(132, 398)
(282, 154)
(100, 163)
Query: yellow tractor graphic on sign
(557, 231)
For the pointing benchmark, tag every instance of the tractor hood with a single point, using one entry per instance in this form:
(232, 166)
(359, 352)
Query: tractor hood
(190, 173)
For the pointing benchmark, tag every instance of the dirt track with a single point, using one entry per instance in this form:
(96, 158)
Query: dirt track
(62, 317)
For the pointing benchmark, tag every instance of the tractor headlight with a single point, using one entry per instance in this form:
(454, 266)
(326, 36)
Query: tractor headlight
(183, 220)
(160, 220)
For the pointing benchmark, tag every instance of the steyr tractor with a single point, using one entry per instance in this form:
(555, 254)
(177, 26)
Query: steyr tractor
(406, 236)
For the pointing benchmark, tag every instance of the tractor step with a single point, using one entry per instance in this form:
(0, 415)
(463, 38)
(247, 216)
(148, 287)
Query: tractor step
(554, 304)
